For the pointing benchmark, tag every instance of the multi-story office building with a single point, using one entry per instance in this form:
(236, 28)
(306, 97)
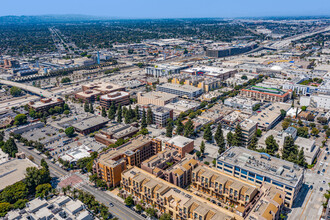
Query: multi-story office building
(163, 70)
(259, 168)
(224, 189)
(156, 98)
(182, 144)
(180, 90)
(117, 98)
(248, 130)
(160, 114)
(316, 101)
(87, 95)
(211, 71)
(241, 103)
(110, 135)
(45, 104)
(110, 164)
(103, 87)
(230, 50)
(266, 94)
(168, 198)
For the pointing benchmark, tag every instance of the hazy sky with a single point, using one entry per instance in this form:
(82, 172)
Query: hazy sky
(167, 8)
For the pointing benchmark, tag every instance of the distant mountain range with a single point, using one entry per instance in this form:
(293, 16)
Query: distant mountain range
(30, 19)
(12, 19)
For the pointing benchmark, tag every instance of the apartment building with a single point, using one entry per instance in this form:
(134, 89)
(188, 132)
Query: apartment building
(205, 83)
(259, 168)
(269, 205)
(180, 90)
(169, 166)
(266, 94)
(45, 104)
(156, 98)
(225, 190)
(182, 144)
(110, 164)
(160, 114)
(116, 98)
(316, 101)
(168, 198)
(110, 135)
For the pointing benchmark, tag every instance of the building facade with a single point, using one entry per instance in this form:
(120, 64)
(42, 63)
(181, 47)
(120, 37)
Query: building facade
(110, 164)
(266, 94)
(116, 98)
(259, 168)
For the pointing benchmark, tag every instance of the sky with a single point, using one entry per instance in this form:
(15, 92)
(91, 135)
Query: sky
(167, 8)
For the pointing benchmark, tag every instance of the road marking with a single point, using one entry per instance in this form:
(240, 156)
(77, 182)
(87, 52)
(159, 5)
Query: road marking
(306, 203)
(56, 171)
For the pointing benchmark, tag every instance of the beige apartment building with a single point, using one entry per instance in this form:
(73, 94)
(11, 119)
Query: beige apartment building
(168, 198)
(110, 164)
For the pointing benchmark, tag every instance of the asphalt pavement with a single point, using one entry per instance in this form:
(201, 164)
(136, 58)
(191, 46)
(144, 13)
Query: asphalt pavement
(119, 210)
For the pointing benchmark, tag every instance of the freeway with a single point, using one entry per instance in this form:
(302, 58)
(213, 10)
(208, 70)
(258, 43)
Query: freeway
(31, 89)
(119, 209)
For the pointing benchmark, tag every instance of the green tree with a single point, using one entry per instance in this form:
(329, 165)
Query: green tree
(91, 109)
(283, 113)
(4, 208)
(112, 111)
(189, 128)
(238, 137)
(149, 116)
(253, 142)
(202, 147)
(86, 107)
(169, 128)
(35, 177)
(137, 113)
(129, 201)
(15, 91)
(179, 128)
(258, 133)
(230, 138)
(285, 124)
(151, 212)
(315, 131)
(104, 113)
(20, 119)
(271, 145)
(43, 190)
(219, 139)
(208, 133)
(13, 193)
(66, 112)
(66, 107)
(143, 120)
(9, 147)
(119, 114)
(301, 161)
(303, 108)
(69, 131)
(289, 151)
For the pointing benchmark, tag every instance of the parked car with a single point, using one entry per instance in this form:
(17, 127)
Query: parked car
(111, 204)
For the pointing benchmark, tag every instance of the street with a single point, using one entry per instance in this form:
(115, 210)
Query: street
(119, 209)
(308, 204)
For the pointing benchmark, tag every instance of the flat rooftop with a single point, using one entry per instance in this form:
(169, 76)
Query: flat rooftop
(180, 141)
(263, 164)
(90, 122)
(178, 197)
(163, 96)
(107, 158)
(104, 87)
(185, 88)
(13, 171)
(114, 95)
